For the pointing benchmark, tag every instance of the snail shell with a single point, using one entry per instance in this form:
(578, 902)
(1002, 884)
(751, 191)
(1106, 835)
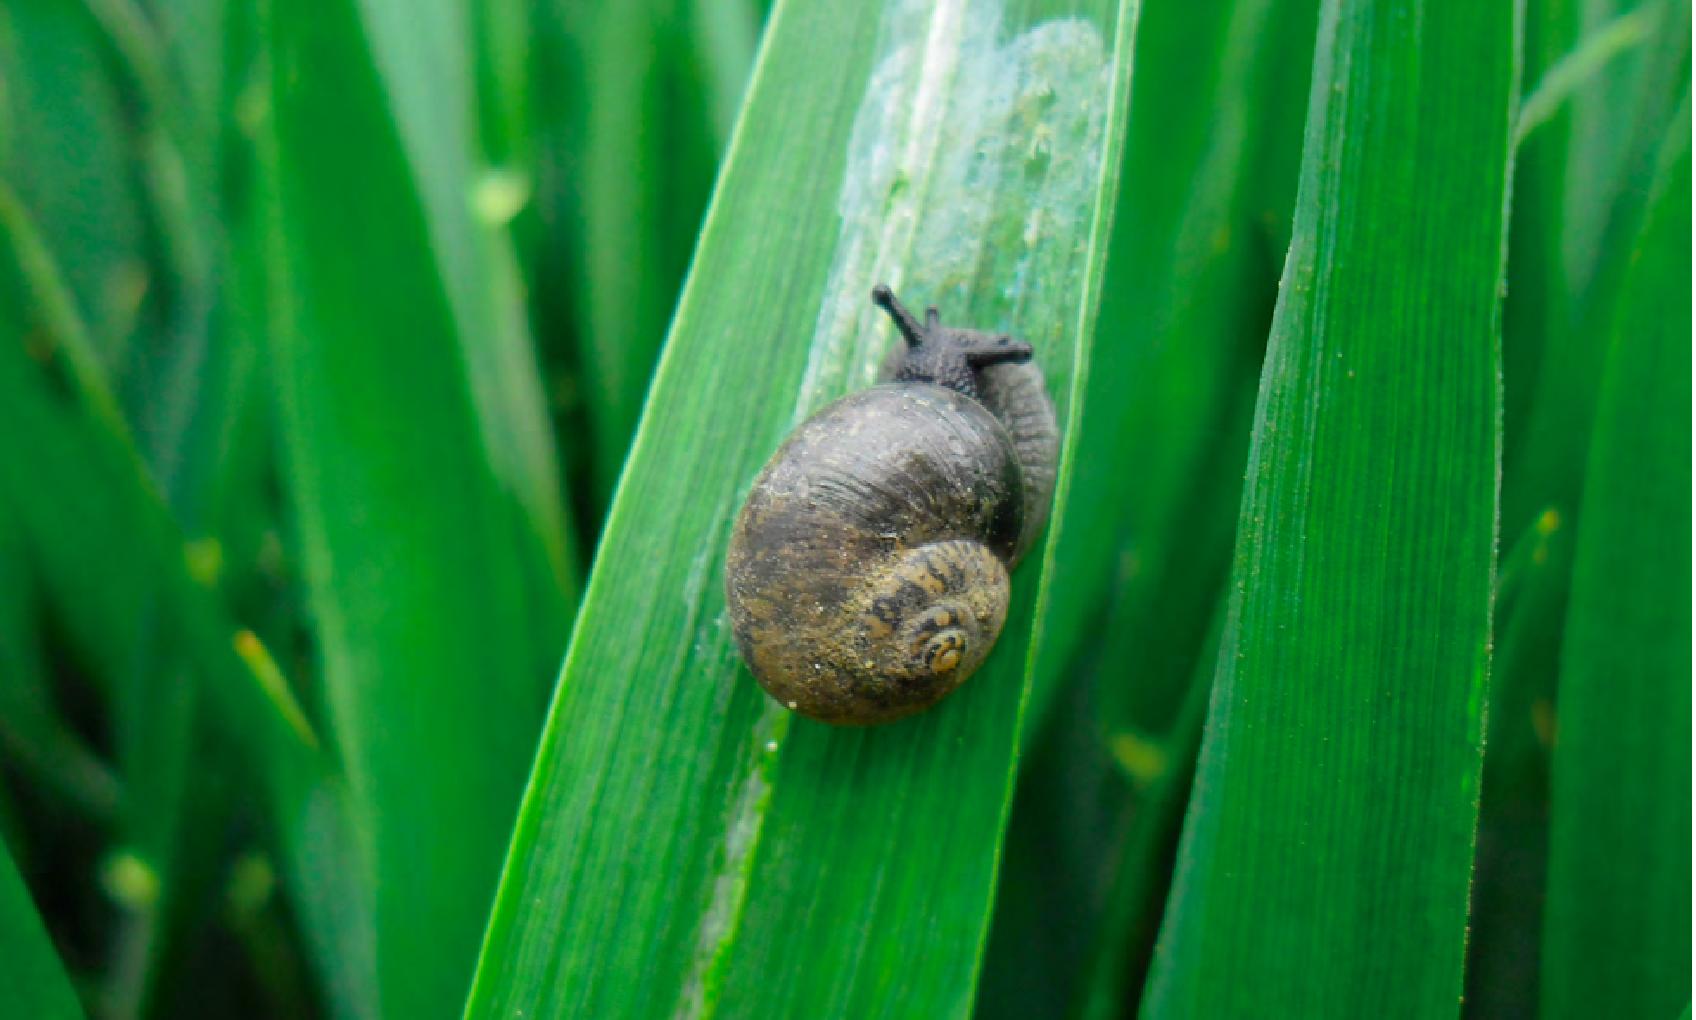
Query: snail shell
(1015, 394)
(867, 572)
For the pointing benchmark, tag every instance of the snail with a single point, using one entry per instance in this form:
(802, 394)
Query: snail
(867, 575)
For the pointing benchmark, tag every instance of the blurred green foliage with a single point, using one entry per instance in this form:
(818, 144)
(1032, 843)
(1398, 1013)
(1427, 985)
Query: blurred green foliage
(326, 327)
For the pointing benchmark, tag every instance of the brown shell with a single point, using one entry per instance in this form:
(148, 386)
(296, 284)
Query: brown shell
(867, 575)
(1017, 396)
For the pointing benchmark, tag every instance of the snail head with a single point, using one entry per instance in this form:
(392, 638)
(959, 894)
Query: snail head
(943, 355)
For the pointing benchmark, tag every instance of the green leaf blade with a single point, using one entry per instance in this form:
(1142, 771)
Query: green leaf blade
(669, 843)
(1617, 930)
(571, 917)
(418, 50)
(99, 530)
(1337, 786)
(409, 428)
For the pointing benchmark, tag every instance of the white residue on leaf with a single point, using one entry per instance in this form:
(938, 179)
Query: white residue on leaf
(972, 164)
(730, 883)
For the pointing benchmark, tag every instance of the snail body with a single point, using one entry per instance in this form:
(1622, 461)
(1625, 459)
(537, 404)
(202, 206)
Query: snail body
(867, 575)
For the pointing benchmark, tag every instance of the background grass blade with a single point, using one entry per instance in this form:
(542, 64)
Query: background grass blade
(668, 857)
(419, 51)
(98, 530)
(37, 738)
(61, 121)
(643, 193)
(1192, 272)
(1535, 556)
(1354, 655)
(1618, 918)
(1581, 172)
(436, 630)
(1193, 267)
(631, 110)
(172, 379)
(32, 979)
(1598, 183)
(1131, 920)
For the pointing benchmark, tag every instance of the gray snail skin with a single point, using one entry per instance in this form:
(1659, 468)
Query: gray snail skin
(867, 575)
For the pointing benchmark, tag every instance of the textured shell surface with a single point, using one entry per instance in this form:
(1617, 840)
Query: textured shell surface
(1017, 396)
(867, 573)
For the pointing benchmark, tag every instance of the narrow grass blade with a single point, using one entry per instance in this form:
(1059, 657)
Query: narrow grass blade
(1513, 814)
(70, 449)
(33, 981)
(1338, 779)
(723, 37)
(642, 197)
(98, 530)
(1617, 119)
(1558, 80)
(423, 63)
(824, 885)
(1193, 268)
(686, 847)
(1191, 277)
(505, 86)
(1131, 921)
(169, 381)
(437, 617)
(1617, 935)
(1538, 301)
(1602, 76)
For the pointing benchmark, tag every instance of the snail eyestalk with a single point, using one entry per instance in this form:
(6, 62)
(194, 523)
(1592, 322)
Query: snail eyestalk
(910, 329)
(997, 351)
(944, 356)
